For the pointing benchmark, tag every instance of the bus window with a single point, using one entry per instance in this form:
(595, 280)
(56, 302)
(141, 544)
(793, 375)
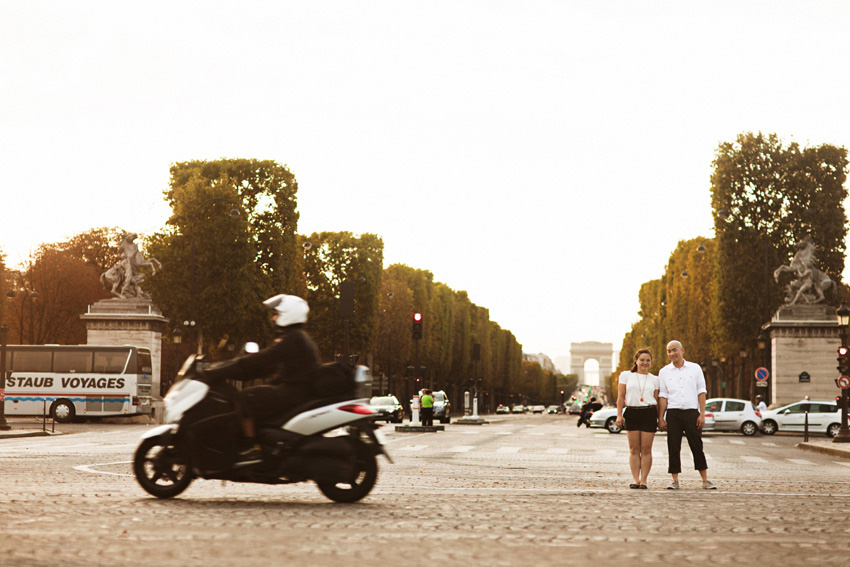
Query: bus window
(69, 361)
(32, 361)
(112, 362)
(143, 357)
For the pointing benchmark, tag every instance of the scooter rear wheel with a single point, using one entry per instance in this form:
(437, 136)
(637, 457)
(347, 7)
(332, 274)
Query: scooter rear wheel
(162, 467)
(362, 482)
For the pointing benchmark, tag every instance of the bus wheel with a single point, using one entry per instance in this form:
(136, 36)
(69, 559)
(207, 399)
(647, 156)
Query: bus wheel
(63, 411)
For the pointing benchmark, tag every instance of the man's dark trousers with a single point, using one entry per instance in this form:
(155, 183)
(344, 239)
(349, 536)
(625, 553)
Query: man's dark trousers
(684, 422)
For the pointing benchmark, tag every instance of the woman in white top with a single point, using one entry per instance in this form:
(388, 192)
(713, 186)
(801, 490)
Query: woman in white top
(637, 409)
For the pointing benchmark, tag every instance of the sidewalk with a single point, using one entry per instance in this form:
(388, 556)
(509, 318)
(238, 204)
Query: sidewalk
(27, 428)
(826, 446)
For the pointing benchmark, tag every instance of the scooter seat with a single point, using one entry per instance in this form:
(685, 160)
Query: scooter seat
(278, 420)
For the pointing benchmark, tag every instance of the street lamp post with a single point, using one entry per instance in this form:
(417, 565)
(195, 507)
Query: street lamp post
(3, 425)
(843, 436)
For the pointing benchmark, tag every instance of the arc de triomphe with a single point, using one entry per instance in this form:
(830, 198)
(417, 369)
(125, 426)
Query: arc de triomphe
(603, 353)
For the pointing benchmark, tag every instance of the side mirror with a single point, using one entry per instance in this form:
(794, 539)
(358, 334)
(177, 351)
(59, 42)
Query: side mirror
(252, 348)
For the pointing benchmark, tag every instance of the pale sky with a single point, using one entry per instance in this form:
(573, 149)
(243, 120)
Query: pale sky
(544, 156)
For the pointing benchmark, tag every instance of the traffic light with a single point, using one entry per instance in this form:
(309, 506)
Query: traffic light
(844, 360)
(417, 326)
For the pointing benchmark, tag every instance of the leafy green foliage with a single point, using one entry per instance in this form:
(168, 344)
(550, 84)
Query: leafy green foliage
(771, 196)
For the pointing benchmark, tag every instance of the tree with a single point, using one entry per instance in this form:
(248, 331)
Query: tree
(97, 247)
(230, 243)
(331, 259)
(767, 197)
(51, 292)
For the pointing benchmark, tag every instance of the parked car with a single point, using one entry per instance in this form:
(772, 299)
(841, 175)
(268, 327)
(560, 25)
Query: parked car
(537, 409)
(503, 409)
(552, 409)
(519, 408)
(733, 415)
(607, 418)
(388, 408)
(442, 407)
(824, 417)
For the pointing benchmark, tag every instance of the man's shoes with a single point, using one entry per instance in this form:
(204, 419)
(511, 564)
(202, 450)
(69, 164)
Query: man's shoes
(673, 485)
(708, 485)
(248, 457)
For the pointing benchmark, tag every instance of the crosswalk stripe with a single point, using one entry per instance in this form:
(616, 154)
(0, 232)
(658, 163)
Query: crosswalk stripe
(508, 450)
(413, 448)
(736, 442)
(800, 461)
(461, 448)
(557, 451)
(753, 459)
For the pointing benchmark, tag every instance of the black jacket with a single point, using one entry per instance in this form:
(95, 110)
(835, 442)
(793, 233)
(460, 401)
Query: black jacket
(293, 358)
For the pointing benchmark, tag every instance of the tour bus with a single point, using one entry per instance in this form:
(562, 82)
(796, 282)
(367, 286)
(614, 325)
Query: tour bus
(65, 382)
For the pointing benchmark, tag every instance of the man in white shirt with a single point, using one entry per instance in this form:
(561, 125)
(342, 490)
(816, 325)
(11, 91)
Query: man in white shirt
(761, 407)
(681, 393)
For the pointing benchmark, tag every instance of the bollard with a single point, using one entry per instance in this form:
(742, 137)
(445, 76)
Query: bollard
(806, 429)
(414, 411)
(475, 408)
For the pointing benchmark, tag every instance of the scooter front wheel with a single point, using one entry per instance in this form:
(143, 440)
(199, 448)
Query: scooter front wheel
(361, 482)
(162, 467)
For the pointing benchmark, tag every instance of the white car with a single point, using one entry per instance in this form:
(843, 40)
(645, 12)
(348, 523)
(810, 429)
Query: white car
(824, 416)
(607, 418)
(731, 414)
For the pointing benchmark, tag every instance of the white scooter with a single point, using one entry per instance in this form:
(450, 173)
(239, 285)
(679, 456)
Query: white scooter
(331, 441)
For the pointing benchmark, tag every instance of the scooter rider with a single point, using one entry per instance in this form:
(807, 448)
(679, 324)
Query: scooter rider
(292, 361)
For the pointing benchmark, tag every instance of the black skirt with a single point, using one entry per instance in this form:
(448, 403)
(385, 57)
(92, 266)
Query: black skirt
(641, 419)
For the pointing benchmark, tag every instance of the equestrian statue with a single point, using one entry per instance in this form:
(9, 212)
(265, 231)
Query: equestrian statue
(811, 283)
(125, 276)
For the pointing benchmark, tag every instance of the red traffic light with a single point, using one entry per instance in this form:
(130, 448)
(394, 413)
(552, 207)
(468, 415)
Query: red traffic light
(417, 326)
(843, 351)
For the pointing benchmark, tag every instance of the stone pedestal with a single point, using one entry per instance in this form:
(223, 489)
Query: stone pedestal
(804, 340)
(136, 322)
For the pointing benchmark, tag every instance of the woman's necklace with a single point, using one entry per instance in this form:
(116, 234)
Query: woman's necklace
(645, 380)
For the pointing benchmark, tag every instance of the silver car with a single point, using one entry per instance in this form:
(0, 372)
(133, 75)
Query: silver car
(731, 414)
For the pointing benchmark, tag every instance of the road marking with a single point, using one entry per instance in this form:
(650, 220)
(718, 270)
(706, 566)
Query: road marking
(413, 448)
(769, 444)
(606, 452)
(800, 461)
(504, 433)
(461, 448)
(508, 450)
(557, 451)
(471, 432)
(846, 464)
(736, 442)
(89, 469)
(753, 459)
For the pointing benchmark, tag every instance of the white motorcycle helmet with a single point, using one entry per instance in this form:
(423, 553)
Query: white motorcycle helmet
(290, 309)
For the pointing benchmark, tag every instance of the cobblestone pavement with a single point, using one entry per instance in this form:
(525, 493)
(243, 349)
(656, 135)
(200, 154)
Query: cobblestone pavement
(523, 489)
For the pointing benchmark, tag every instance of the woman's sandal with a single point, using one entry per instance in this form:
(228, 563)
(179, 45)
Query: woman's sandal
(634, 486)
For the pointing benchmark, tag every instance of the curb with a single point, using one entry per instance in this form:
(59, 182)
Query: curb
(419, 428)
(825, 449)
(26, 433)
